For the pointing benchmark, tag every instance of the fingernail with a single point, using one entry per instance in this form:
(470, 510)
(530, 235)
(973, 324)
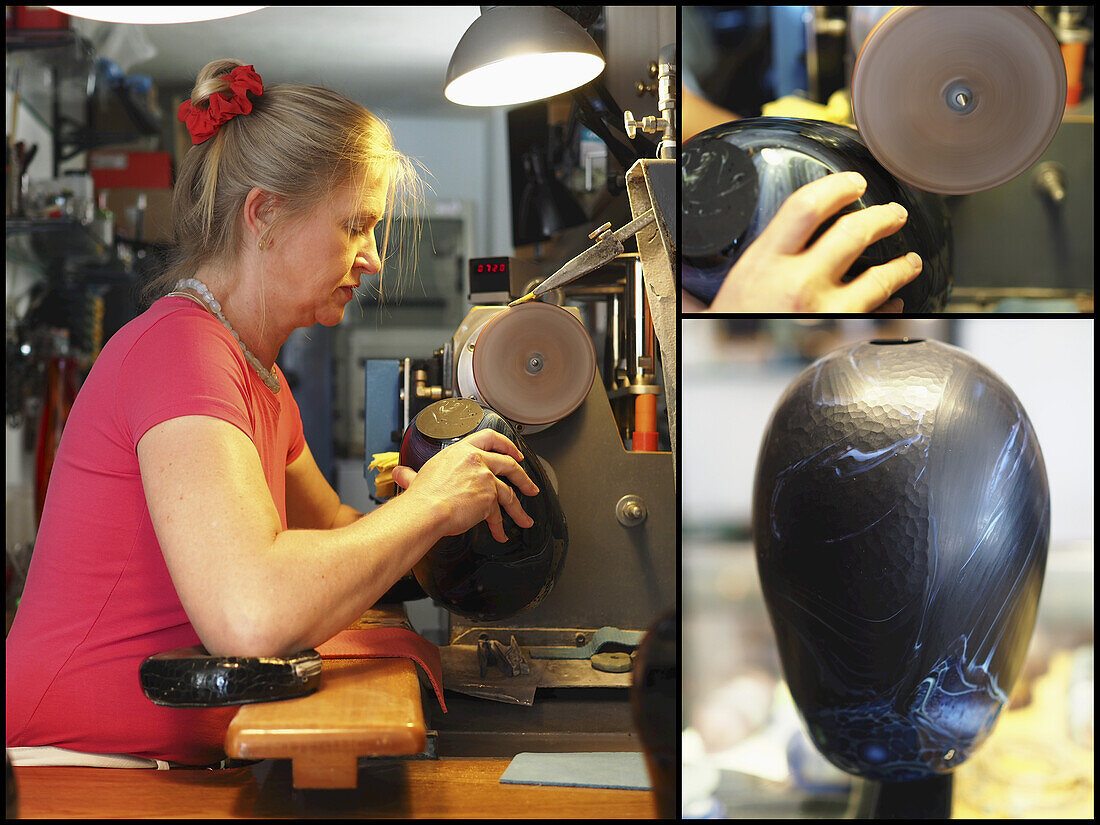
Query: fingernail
(914, 260)
(858, 180)
(899, 210)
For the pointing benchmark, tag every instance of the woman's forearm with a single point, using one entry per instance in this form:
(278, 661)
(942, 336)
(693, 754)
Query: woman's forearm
(251, 587)
(291, 604)
(344, 516)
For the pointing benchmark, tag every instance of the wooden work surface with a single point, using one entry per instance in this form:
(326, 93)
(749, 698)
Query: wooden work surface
(390, 788)
(364, 707)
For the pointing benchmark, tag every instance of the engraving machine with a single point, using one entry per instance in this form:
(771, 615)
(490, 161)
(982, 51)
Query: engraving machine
(538, 369)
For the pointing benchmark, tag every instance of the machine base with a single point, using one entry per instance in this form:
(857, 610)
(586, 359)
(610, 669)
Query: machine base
(561, 720)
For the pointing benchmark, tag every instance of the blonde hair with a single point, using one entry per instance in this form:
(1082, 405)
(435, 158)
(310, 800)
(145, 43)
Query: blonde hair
(299, 143)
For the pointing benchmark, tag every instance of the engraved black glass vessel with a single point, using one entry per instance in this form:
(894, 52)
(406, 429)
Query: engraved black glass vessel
(655, 710)
(734, 178)
(901, 517)
(473, 574)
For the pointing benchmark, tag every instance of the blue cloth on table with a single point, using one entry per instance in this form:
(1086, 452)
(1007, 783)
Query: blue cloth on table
(581, 770)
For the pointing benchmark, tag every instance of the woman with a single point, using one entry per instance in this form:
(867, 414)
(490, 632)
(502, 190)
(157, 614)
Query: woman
(184, 506)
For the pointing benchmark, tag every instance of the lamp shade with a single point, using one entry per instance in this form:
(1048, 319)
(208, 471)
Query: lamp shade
(515, 54)
(145, 15)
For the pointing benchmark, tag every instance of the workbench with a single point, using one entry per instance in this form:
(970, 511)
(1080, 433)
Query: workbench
(356, 747)
(386, 788)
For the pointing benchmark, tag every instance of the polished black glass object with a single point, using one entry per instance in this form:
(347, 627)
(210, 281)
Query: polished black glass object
(473, 574)
(734, 178)
(655, 709)
(901, 516)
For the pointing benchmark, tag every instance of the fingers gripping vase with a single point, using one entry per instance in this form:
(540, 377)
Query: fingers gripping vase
(735, 177)
(901, 517)
(472, 574)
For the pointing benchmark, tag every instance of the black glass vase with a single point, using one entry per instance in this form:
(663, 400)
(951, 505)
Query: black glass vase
(472, 574)
(734, 178)
(901, 516)
(655, 708)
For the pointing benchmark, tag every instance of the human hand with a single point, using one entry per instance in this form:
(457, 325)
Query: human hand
(778, 273)
(461, 482)
(697, 114)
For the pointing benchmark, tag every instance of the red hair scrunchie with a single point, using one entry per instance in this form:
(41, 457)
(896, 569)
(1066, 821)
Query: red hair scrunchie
(203, 124)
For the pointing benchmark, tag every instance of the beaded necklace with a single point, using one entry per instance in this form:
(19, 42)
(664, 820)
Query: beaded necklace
(267, 376)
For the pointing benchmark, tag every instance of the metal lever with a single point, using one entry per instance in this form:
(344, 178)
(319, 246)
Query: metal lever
(608, 246)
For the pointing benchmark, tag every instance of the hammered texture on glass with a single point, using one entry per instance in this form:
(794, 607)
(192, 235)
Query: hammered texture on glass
(189, 678)
(901, 519)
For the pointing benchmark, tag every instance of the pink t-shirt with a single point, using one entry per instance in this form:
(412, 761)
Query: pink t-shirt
(99, 599)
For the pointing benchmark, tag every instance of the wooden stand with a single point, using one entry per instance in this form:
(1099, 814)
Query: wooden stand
(365, 707)
(919, 799)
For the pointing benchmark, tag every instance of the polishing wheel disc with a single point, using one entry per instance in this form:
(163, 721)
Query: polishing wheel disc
(959, 99)
(533, 363)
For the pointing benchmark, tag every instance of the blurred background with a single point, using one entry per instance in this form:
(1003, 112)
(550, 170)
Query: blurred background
(744, 751)
(1019, 247)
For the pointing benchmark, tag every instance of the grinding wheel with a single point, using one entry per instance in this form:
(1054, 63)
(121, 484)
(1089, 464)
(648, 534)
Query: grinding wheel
(533, 363)
(959, 99)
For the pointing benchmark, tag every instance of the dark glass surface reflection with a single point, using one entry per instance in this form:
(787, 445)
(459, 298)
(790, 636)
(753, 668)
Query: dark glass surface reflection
(901, 517)
(654, 704)
(473, 574)
(735, 177)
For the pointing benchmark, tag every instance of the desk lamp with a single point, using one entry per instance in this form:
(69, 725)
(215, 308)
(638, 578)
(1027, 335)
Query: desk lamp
(155, 15)
(520, 54)
(516, 54)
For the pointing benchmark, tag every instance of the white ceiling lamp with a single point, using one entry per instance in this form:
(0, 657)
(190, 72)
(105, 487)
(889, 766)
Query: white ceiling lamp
(515, 54)
(154, 14)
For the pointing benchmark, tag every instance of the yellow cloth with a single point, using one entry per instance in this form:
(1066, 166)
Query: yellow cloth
(1038, 762)
(838, 110)
(384, 486)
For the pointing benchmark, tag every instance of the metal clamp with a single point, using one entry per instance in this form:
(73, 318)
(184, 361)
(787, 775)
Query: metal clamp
(509, 659)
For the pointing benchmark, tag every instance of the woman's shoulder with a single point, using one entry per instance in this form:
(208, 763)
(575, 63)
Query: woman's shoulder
(172, 323)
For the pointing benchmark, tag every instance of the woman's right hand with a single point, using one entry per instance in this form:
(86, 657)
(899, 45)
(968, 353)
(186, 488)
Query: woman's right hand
(778, 272)
(461, 481)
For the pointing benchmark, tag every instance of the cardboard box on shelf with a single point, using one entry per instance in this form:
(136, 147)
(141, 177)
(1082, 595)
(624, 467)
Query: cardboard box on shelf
(149, 143)
(110, 113)
(156, 221)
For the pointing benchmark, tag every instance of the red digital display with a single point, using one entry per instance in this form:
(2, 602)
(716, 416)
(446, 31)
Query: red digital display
(485, 268)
